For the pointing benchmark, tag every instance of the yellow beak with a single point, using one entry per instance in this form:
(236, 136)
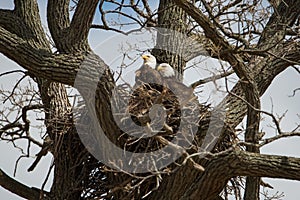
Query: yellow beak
(159, 68)
(145, 57)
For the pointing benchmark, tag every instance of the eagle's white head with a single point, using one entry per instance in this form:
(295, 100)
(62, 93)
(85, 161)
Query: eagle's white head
(149, 60)
(165, 70)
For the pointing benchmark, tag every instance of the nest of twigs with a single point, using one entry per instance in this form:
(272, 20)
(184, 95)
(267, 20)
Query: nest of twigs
(149, 112)
(151, 117)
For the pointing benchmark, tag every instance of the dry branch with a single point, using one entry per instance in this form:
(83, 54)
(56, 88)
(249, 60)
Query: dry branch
(18, 188)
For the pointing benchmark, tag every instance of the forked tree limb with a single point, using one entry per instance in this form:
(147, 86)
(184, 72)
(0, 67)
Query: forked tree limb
(65, 33)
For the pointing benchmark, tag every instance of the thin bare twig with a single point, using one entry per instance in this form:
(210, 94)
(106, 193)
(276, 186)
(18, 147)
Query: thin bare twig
(212, 78)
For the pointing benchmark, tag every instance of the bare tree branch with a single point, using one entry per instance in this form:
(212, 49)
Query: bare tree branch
(275, 30)
(209, 79)
(58, 20)
(62, 28)
(277, 137)
(240, 163)
(82, 20)
(19, 188)
(28, 11)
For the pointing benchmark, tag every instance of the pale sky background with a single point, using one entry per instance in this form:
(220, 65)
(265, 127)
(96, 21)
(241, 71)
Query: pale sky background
(108, 46)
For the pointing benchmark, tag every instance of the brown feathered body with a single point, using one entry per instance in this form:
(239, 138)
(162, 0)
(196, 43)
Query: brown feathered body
(181, 91)
(147, 74)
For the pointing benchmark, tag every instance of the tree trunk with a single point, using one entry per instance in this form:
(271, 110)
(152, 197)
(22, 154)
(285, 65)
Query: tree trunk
(172, 28)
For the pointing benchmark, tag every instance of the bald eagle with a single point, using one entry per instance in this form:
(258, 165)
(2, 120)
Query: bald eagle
(149, 89)
(146, 91)
(156, 85)
(183, 92)
(161, 77)
(147, 73)
(165, 70)
(149, 60)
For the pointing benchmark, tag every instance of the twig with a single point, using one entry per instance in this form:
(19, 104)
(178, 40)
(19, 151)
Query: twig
(282, 135)
(11, 72)
(294, 92)
(212, 78)
(15, 87)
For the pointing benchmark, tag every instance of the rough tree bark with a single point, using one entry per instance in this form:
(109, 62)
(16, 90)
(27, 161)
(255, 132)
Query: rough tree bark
(172, 23)
(236, 107)
(69, 153)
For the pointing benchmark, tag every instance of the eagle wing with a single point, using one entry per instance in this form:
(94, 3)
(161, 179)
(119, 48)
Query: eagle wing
(180, 90)
(147, 75)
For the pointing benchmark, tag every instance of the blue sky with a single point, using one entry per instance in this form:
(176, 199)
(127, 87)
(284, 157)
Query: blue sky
(107, 45)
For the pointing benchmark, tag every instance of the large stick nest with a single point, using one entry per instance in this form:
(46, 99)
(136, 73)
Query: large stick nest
(160, 112)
